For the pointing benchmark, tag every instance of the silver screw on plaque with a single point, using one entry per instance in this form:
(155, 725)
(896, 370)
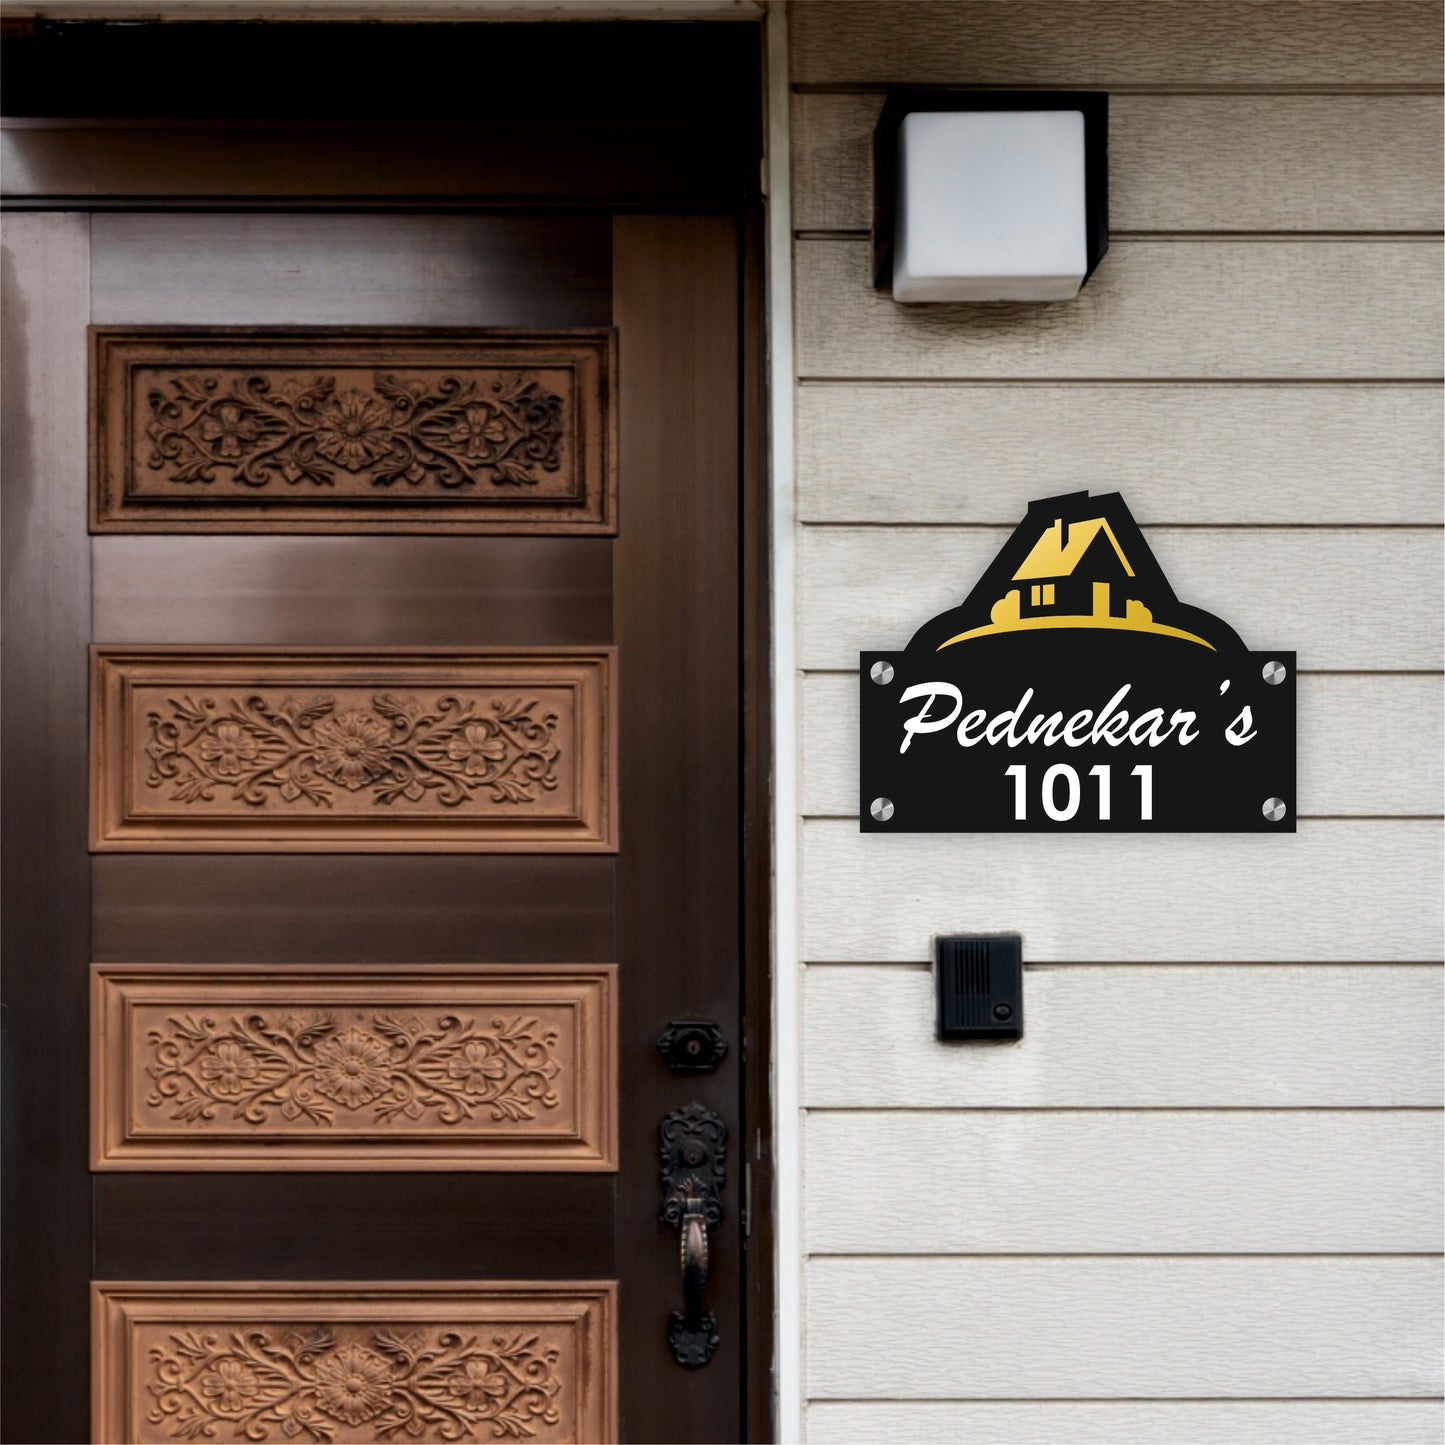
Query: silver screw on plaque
(881, 672)
(1273, 809)
(1273, 673)
(882, 809)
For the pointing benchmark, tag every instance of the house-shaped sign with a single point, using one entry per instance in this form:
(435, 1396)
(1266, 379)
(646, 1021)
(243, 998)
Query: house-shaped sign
(1072, 691)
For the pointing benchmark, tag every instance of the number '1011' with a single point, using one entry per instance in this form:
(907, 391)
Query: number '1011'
(1061, 778)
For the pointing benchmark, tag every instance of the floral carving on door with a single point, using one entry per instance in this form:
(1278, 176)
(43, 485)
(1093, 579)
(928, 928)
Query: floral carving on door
(453, 431)
(256, 1383)
(397, 747)
(461, 1067)
(353, 1363)
(306, 1067)
(293, 749)
(330, 429)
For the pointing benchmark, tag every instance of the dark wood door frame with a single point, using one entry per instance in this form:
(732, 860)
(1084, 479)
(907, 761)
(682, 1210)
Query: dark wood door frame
(644, 117)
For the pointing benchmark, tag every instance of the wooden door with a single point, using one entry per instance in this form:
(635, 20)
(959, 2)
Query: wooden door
(375, 772)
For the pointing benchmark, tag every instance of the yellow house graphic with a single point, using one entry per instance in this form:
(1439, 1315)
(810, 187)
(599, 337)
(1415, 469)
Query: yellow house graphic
(1075, 575)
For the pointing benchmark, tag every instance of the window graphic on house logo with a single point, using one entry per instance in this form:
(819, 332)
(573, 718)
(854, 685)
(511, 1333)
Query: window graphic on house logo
(1071, 690)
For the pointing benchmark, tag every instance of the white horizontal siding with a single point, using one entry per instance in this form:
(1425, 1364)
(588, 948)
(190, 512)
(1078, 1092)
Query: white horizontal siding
(1227, 1051)
(1297, 1181)
(1402, 774)
(1351, 891)
(1133, 44)
(1187, 162)
(1219, 453)
(1123, 1327)
(1128, 1422)
(1154, 309)
(1134, 1036)
(1340, 599)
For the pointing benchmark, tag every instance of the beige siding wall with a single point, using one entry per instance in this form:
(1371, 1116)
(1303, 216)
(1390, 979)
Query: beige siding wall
(1200, 1201)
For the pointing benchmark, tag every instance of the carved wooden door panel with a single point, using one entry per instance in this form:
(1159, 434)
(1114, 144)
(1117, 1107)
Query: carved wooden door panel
(405, 806)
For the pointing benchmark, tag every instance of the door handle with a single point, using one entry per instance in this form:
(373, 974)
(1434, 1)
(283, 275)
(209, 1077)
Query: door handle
(693, 1241)
(694, 1146)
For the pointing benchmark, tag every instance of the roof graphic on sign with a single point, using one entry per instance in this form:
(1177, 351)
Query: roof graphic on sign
(1076, 562)
(1062, 546)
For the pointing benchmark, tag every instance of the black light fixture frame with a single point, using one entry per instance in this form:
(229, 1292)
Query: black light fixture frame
(1094, 104)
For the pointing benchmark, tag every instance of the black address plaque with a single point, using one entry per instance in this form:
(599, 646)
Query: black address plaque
(1073, 692)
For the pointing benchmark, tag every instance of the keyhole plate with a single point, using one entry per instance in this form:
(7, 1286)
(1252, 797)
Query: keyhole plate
(692, 1046)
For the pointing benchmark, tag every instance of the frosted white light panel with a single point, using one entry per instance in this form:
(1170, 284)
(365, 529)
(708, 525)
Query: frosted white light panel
(990, 206)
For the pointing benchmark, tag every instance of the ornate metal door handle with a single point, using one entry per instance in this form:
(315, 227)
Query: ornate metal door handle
(694, 1145)
(693, 1253)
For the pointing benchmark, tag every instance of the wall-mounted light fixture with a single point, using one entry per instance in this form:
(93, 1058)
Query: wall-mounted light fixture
(990, 195)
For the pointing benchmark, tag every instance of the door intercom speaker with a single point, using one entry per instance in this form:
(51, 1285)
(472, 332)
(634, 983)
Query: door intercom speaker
(980, 986)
